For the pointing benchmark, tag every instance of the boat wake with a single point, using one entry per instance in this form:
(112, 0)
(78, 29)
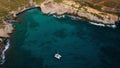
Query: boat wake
(2, 57)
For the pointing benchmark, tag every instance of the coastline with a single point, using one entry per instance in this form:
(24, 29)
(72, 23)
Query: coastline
(85, 12)
(66, 8)
(5, 43)
(3, 50)
(74, 9)
(52, 8)
(75, 17)
(5, 34)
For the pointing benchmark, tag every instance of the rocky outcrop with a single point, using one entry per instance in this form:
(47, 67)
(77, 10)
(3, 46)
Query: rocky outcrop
(6, 29)
(72, 7)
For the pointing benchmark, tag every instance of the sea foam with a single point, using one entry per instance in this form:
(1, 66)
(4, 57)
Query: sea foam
(103, 25)
(3, 52)
(75, 17)
(79, 18)
(97, 24)
(61, 16)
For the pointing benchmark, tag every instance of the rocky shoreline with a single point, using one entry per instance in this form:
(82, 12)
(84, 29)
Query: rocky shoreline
(5, 32)
(68, 7)
(74, 8)
(4, 45)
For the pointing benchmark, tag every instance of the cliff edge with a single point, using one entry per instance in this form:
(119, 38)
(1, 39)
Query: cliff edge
(75, 8)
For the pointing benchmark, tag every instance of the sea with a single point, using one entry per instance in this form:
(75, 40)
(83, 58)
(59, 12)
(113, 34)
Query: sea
(38, 37)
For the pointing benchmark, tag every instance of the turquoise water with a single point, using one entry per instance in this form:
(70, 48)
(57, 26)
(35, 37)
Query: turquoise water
(82, 45)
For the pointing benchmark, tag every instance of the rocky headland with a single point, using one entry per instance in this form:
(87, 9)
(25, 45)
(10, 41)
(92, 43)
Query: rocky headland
(74, 8)
(5, 30)
(57, 7)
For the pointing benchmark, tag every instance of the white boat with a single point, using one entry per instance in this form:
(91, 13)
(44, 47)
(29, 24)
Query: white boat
(58, 56)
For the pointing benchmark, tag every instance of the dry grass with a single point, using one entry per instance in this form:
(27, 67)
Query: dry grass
(9, 5)
(107, 4)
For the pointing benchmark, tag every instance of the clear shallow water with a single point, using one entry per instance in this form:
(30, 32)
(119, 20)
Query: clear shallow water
(82, 45)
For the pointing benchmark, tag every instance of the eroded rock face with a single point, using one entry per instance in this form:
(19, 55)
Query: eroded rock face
(6, 30)
(72, 7)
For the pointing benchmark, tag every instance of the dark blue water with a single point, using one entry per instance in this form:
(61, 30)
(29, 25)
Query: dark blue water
(82, 45)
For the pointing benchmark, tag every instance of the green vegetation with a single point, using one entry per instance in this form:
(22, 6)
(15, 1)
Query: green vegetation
(2, 42)
(11, 5)
(58, 1)
(47, 3)
(8, 5)
(38, 1)
(99, 4)
(100, 17)
(85, 9)
(99, 7)
(2, 26)
(103, 13)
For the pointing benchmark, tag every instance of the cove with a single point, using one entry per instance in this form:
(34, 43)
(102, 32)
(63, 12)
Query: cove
(82, 45)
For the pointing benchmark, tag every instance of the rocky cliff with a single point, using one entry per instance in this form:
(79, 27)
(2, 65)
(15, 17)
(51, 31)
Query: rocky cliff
(75, 8)
(5, 30)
